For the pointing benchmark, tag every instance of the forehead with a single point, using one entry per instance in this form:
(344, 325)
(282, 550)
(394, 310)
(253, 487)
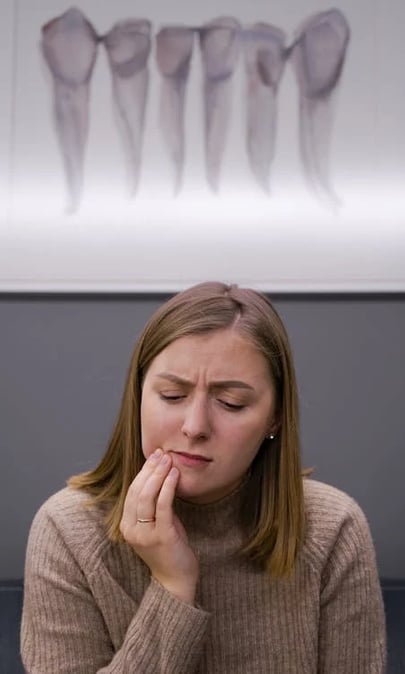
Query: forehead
(220, 354)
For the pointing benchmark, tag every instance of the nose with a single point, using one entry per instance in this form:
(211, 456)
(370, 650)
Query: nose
(196, 422)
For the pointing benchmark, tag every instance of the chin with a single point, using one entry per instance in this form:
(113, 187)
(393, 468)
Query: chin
(197, 496)
(184, 491)
(189, 493)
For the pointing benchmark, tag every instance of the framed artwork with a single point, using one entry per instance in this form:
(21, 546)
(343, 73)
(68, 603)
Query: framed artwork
(147, 147)
(6, 106)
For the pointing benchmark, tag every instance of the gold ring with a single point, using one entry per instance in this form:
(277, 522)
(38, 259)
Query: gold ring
(144, 521)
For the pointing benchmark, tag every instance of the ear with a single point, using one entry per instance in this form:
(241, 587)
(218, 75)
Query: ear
(273, 429)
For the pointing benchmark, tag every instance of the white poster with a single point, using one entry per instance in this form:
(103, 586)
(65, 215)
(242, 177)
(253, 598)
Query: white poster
(147, 146)
(6, 108)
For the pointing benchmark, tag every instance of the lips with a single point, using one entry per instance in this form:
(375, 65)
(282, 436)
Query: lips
(194, 456)
(190, 459)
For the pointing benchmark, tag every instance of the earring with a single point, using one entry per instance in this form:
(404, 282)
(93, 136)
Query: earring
(270, 436)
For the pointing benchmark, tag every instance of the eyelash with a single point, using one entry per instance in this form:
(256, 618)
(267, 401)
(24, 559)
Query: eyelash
(229, 406)
(169, 398)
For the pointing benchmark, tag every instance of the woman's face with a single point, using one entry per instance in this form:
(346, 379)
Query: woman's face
(209, 401)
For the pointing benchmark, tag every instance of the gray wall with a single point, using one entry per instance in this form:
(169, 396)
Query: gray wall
(62, 366)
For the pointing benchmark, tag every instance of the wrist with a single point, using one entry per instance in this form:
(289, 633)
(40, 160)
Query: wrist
(183, 591)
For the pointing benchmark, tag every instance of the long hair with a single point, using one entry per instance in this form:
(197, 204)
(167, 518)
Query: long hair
(276, 502)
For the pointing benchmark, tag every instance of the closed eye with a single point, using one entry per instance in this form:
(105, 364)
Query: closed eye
(231, 406)
(171, 397)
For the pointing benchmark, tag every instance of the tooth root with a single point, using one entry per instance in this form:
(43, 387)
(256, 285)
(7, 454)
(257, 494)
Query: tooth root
(172, 100)
(315, 137)
(69, 45)
(128, 46)
(265, 60)
(174, 48)
(220, 46)
(318, 56)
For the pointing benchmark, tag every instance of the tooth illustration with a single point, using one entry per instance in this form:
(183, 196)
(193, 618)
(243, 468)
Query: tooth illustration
(69, 45)
(220, 45)
(318, 55)
(174, 46)
(128, 46)
(265, 55)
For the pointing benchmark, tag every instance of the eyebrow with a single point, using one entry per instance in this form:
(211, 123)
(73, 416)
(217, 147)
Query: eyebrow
(226, 383)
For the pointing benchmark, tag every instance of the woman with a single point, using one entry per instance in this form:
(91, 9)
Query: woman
(196, 545)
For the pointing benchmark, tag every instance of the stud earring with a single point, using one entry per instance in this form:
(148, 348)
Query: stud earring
(270, 436)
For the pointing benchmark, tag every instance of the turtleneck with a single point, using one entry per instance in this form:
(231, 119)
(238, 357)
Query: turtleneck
(215, 518)
(91, 606)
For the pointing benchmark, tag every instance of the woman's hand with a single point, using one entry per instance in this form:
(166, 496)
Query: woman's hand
(162, 543)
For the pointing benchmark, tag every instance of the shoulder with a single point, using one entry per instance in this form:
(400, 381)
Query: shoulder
(69, 520)
(324, 500)
(333, 519)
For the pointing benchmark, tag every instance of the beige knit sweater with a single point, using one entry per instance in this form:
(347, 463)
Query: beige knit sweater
(90, 606)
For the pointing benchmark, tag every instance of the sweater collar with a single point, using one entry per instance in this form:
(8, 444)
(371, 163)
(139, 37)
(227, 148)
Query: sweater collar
(217, 518)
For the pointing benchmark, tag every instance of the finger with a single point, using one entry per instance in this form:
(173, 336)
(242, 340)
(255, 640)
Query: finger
(164, 504)
(146, 470)
(131, 500)
(146, 505)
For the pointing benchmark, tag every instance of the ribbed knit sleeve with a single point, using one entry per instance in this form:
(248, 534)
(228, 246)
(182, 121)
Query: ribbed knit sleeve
(64, 629)
(352, 623)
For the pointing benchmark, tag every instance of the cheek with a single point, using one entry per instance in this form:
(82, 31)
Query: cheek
(147, 430)
(155, 429)
(249, 432)
(244, 441)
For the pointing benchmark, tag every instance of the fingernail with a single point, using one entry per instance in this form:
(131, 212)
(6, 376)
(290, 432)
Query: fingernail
(156, 455)
(166, 459)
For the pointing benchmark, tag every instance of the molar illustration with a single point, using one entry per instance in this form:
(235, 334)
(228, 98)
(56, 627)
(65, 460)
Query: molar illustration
(128, 46)
(174, 47)
(265, 56)
(220, 45)
(318, 54)
(69, 46)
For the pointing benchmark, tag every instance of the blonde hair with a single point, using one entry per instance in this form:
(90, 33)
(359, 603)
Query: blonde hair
(275, 525)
